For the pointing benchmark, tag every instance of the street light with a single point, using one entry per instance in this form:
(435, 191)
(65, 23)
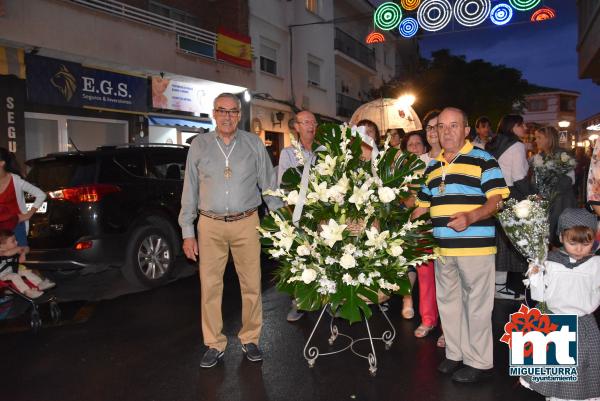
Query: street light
(247, 96)
(564, 124)
(405, 101)
(593, 137)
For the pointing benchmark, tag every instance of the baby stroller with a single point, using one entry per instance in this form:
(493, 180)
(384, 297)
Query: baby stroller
(35, 319)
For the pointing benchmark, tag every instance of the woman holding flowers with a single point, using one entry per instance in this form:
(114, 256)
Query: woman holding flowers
(510, 152)
(554, 176)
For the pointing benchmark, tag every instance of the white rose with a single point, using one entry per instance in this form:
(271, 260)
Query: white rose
(303, 250)
(347, 261)
(386, 194)
(395, 250)
(522, 209)
(292, 197)
(564, 157)
(308, 276)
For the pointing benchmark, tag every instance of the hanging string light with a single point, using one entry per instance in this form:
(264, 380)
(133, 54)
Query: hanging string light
(408, 27)
(434, 15)
(543, 14)
(524, 5)
(410, 5)
(387, 16)
(471, 12)
(374, 37)
(501, 14)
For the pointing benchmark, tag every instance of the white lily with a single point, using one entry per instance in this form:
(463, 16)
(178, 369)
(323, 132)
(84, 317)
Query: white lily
(360, 195)
(375, 239)
(327, 166)
(320, 192)
(332, 232)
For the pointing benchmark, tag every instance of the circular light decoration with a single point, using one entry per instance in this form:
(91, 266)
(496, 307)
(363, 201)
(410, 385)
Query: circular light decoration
(374, 37)
(408, 27)
(543, 14)
(524, 5)
(501, 14)
(410, 5)
(471, 12)
(387, 16)
(434, 15)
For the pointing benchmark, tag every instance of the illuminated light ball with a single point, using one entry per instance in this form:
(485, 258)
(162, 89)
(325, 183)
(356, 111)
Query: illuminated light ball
(434, 15)
(543, 14)
(387, 16)
(501, 14)
(374, 37)
(408, 27)
(410, 5)
(524, 5)
(471, 12)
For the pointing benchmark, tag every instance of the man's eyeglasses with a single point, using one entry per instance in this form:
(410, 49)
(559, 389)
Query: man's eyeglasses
(224, 112)
(308, 123)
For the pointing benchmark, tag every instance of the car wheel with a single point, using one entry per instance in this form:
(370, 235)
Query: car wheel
(150, 257)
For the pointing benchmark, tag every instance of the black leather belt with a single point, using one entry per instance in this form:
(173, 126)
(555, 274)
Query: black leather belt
(229, 217)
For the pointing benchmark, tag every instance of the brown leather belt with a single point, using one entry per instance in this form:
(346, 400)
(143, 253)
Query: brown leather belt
(229, 217)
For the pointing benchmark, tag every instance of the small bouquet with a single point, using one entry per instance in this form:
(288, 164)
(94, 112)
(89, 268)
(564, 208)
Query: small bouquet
(353, 240)
(548, 169)
(526, 226)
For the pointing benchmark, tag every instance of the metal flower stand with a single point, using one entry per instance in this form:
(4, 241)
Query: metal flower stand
(311, 353)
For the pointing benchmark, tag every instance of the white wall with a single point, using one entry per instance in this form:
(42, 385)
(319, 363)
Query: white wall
(41, 137)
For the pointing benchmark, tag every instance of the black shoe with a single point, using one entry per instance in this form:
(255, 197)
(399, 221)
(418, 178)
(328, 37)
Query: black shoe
(449, 366)
(211, 357)
(253, 353)
(469, 374)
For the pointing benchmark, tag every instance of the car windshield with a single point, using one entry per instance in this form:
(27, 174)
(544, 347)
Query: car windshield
(61, 172)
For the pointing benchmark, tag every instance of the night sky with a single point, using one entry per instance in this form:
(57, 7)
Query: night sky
(545, 52)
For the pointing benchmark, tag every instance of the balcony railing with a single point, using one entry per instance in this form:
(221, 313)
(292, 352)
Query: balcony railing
(346, 105)
(353, 48)
(205, 41)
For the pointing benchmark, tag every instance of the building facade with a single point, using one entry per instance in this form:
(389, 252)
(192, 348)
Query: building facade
(588, 42)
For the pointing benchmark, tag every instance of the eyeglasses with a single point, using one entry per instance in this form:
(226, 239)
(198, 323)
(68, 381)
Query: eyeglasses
(451, 126)
(430, 128)
(308, 123)
(224, 112)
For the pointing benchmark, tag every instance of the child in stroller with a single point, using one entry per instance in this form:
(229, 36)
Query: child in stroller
(10, 270)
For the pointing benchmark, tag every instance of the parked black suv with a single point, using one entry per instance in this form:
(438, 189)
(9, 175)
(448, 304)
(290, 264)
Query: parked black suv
(115, 206)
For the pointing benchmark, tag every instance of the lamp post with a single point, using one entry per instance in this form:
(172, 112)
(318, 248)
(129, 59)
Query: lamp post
(564, 132)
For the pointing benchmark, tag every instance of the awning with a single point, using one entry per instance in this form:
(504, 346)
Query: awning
(179, 122)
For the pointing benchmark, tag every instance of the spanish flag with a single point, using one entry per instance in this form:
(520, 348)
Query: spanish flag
(12, 62)
(234, 48)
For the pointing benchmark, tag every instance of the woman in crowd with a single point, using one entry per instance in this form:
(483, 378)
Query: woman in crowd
(418, 144)
(563, 196)
(372, 131)
(510, 152)
(430, 127)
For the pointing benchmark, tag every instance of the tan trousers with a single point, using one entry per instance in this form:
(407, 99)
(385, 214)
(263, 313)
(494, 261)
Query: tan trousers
(215, 239)
(465, 296)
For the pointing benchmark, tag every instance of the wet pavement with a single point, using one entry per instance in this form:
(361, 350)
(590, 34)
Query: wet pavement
(147, 346)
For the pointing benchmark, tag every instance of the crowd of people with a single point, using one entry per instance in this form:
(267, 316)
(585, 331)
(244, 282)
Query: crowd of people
(468, 177)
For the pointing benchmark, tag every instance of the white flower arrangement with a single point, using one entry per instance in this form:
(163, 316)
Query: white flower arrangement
(526, 226)
(548, 169)
(322, 260)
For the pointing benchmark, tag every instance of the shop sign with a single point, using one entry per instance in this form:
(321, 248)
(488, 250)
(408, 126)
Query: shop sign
(63, 83)
(12, 115)
(182, 96)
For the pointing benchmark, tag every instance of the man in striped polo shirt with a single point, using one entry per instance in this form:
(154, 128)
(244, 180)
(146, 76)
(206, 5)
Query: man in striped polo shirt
(463, 190)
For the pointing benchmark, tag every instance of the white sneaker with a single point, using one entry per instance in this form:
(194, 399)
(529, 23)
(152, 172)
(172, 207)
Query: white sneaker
(46, 284)
(33, 293)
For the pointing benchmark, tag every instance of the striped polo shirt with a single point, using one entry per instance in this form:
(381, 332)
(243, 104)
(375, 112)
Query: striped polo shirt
(471, 178)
